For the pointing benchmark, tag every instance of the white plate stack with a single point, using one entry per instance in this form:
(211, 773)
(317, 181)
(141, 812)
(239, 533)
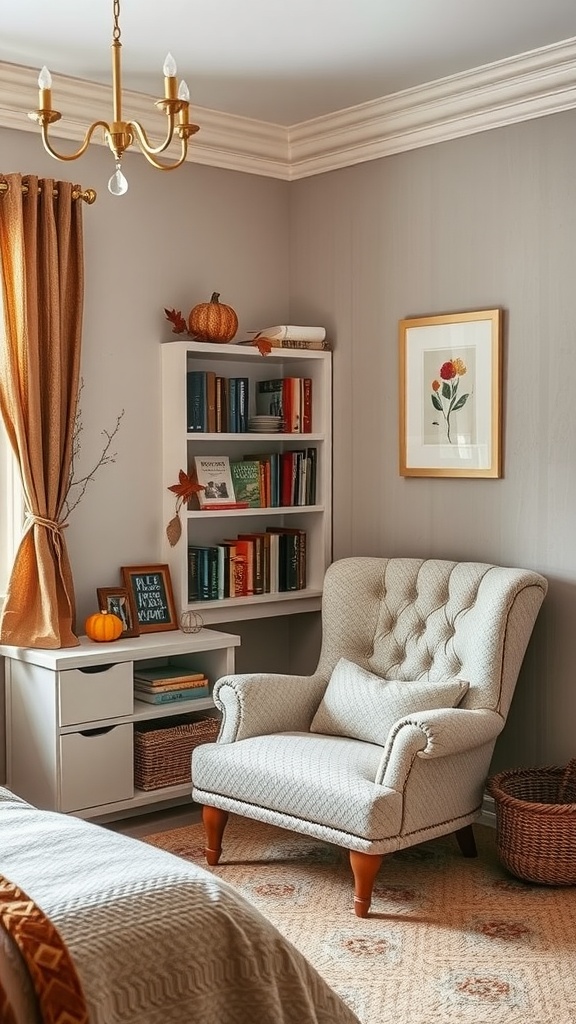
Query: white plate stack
(264, 424)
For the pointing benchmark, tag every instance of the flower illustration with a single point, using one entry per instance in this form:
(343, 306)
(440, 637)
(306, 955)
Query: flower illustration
(445, 397)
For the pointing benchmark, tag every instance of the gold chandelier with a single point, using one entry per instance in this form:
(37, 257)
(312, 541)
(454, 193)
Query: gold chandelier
(121, 134)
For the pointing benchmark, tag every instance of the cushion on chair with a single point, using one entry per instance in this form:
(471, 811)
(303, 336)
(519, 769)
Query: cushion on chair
(363, 706)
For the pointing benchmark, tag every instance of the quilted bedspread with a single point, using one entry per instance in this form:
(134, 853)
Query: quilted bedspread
(153, 939)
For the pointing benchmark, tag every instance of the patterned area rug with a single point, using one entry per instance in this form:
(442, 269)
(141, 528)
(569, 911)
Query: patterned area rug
(448, 939)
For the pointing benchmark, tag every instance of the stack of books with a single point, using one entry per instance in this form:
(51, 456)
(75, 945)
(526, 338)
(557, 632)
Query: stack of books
(168, 684)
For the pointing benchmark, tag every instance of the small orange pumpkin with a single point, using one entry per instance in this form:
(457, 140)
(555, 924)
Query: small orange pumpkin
(103, 627)
(213, 321)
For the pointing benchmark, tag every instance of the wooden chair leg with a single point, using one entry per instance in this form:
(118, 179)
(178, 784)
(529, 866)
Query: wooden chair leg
(364, 868)
(466, 841)
(214, 820)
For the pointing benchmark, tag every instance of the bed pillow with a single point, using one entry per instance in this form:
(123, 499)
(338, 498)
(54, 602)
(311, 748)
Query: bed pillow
(363, 706)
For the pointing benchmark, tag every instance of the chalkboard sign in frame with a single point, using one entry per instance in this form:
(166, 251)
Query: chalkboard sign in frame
(151, 589)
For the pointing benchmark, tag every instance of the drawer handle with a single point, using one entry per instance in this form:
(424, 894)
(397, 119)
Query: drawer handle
(92, 669)
(97, 732)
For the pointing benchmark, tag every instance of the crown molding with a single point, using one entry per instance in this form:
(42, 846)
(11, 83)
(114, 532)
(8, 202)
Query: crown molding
(520, 88)
(517, 89)
(235, 143)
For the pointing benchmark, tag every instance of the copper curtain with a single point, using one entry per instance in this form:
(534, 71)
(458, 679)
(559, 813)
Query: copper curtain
(42, 269)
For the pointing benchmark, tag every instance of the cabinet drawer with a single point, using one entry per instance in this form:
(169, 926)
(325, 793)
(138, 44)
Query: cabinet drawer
(96, 692)
(96, 767)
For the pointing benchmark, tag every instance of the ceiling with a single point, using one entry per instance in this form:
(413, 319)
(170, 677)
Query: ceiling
(280, 61)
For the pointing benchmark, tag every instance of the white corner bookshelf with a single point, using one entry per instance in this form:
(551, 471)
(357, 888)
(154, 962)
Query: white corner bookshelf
(209, 527)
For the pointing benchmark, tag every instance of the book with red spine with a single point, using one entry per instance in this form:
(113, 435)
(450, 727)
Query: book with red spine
(242, 567)
(291, 405)
(221, 506)
(258, 569)
(210, 402)
(286, 478)
(306, 387)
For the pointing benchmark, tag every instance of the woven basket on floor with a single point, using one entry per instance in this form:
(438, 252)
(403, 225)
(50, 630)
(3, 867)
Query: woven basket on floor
(162, 754)
(536, 823)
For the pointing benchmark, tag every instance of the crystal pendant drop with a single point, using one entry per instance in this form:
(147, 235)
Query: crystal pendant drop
(118, 185)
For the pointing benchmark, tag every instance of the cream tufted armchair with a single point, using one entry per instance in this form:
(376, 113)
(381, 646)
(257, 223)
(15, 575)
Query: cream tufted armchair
(389, 742)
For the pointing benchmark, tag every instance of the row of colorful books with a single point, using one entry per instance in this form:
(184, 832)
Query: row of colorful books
(270, 562)
(268, 480)
(167, 684)
(216, 404)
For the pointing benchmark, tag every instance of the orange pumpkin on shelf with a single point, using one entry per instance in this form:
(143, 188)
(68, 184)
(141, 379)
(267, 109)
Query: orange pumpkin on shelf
(103, 627)
(213, 321)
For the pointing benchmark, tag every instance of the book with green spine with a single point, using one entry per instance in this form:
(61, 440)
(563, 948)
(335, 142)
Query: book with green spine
(246, 481)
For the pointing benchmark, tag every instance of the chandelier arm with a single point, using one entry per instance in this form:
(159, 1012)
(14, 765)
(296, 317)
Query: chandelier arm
(151, 158)
(72, 156)
(145, 144)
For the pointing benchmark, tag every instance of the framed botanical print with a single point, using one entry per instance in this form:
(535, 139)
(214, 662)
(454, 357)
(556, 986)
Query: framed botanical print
(450, 394)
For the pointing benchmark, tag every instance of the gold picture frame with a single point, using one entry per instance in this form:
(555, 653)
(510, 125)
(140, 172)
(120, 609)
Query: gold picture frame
(450, 394)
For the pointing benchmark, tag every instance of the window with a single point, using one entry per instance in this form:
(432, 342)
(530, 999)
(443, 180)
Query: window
(11, 511)
(11, 503)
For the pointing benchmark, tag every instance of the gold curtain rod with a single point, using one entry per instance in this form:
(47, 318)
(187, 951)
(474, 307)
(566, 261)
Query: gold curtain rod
(88, 195)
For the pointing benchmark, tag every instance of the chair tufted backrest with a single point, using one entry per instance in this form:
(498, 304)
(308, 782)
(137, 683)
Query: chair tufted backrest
(411, 618)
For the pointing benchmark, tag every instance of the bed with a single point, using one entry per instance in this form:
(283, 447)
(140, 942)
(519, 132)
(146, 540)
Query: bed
(100, 928)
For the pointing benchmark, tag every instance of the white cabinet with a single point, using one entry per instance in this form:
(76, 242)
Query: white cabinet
(210, 527)
(70, 716)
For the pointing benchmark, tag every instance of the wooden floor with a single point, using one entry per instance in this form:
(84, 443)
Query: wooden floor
(157, 821)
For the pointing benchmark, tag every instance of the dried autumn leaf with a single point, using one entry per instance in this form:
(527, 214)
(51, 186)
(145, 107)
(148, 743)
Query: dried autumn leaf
(264, 346)
(177, 320)
(174, 531)
(186, 486)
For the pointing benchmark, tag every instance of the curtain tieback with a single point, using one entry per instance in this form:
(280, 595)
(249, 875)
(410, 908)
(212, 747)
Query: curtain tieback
(49, 524)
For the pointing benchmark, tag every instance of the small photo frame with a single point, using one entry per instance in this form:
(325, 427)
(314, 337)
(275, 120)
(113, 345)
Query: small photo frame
(151, 589)
(450, 394)
(118, 601)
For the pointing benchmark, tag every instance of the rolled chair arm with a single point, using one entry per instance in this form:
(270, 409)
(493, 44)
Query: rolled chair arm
(259, 704)
(432, 734)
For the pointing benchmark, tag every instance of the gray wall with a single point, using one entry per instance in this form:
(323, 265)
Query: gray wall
(486, 221)
(171, 241)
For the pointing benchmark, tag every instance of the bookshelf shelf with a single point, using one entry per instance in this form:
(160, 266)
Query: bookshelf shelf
(250, 437)
(240, 513)
(209, 527)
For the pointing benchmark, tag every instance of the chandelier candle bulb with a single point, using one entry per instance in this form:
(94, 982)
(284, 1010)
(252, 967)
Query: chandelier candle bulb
(170, 77)
(45, 89)
(184, 95)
